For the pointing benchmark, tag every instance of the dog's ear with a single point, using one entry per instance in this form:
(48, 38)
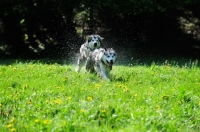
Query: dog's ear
(100, 38)
(112, 50)
(89, 38)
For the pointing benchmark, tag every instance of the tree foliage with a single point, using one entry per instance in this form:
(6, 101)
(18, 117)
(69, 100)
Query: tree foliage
(38, 26)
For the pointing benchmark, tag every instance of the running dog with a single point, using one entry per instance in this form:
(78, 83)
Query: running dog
(92, 42)
(101, 61)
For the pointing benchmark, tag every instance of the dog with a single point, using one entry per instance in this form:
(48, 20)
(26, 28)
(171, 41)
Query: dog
(101, 61)
(92, 42)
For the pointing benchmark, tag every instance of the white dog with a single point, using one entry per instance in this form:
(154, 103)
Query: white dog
(92, 42)
(101, 61)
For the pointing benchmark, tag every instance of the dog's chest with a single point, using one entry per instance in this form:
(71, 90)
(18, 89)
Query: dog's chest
(105, 68)
(87, 52)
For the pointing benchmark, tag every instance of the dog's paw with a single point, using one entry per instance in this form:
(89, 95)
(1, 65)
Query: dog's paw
(77, 70)
(106, 78)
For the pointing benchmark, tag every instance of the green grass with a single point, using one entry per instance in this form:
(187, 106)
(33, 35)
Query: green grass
(36, 96)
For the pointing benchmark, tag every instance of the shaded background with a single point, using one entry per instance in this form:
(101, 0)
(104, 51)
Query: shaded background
(136, 29)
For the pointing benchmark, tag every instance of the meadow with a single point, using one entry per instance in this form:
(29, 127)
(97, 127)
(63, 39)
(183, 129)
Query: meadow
(36, 96)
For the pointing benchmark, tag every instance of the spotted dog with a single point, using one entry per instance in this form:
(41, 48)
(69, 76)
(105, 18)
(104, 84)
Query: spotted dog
(101, 61)
(92, 42)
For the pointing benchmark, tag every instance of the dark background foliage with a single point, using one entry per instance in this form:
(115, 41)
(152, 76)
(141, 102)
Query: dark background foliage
(57, 28)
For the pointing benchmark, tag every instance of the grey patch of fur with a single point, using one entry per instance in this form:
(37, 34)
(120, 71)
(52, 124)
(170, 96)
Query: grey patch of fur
(92, 42)
(100, 61)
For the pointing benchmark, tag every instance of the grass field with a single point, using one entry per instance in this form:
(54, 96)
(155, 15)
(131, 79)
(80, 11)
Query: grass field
(37, 96)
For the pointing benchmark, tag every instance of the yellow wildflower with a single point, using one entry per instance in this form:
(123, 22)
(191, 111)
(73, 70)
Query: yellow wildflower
(25, 85)
(97, 85)
(5, 114)
(69, 98)
(13, 129)
(165, 96)
(119, 85)
(36, 121)
(9, 125)
(46, 122)
(65, 123)
(58, 101)
(103, 111)
(82, 111)
(12, 120)
(157, 107)
(126, 90)
(89, 98)
(29, 102)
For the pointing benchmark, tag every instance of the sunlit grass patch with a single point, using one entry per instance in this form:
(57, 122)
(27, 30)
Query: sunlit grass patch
(53, 97)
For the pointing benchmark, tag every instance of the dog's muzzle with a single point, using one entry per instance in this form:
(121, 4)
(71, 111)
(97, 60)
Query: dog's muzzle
(110, 63)
(95, 44)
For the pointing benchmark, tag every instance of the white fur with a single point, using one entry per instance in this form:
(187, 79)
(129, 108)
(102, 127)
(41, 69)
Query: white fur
(92, 42)
(101, 61)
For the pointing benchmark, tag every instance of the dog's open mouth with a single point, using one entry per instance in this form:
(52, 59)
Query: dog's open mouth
(110, 63)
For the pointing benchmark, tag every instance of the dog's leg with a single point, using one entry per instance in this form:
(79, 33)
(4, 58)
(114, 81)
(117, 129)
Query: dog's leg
(88, 65)
(108, 73)
(80, 63)
(103, 72)
(100, 69)
(97, 67)
(104, 75)
(79, 66)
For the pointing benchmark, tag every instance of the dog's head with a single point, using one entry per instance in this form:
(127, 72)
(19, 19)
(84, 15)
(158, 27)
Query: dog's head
(94, 42)
(109, 57)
